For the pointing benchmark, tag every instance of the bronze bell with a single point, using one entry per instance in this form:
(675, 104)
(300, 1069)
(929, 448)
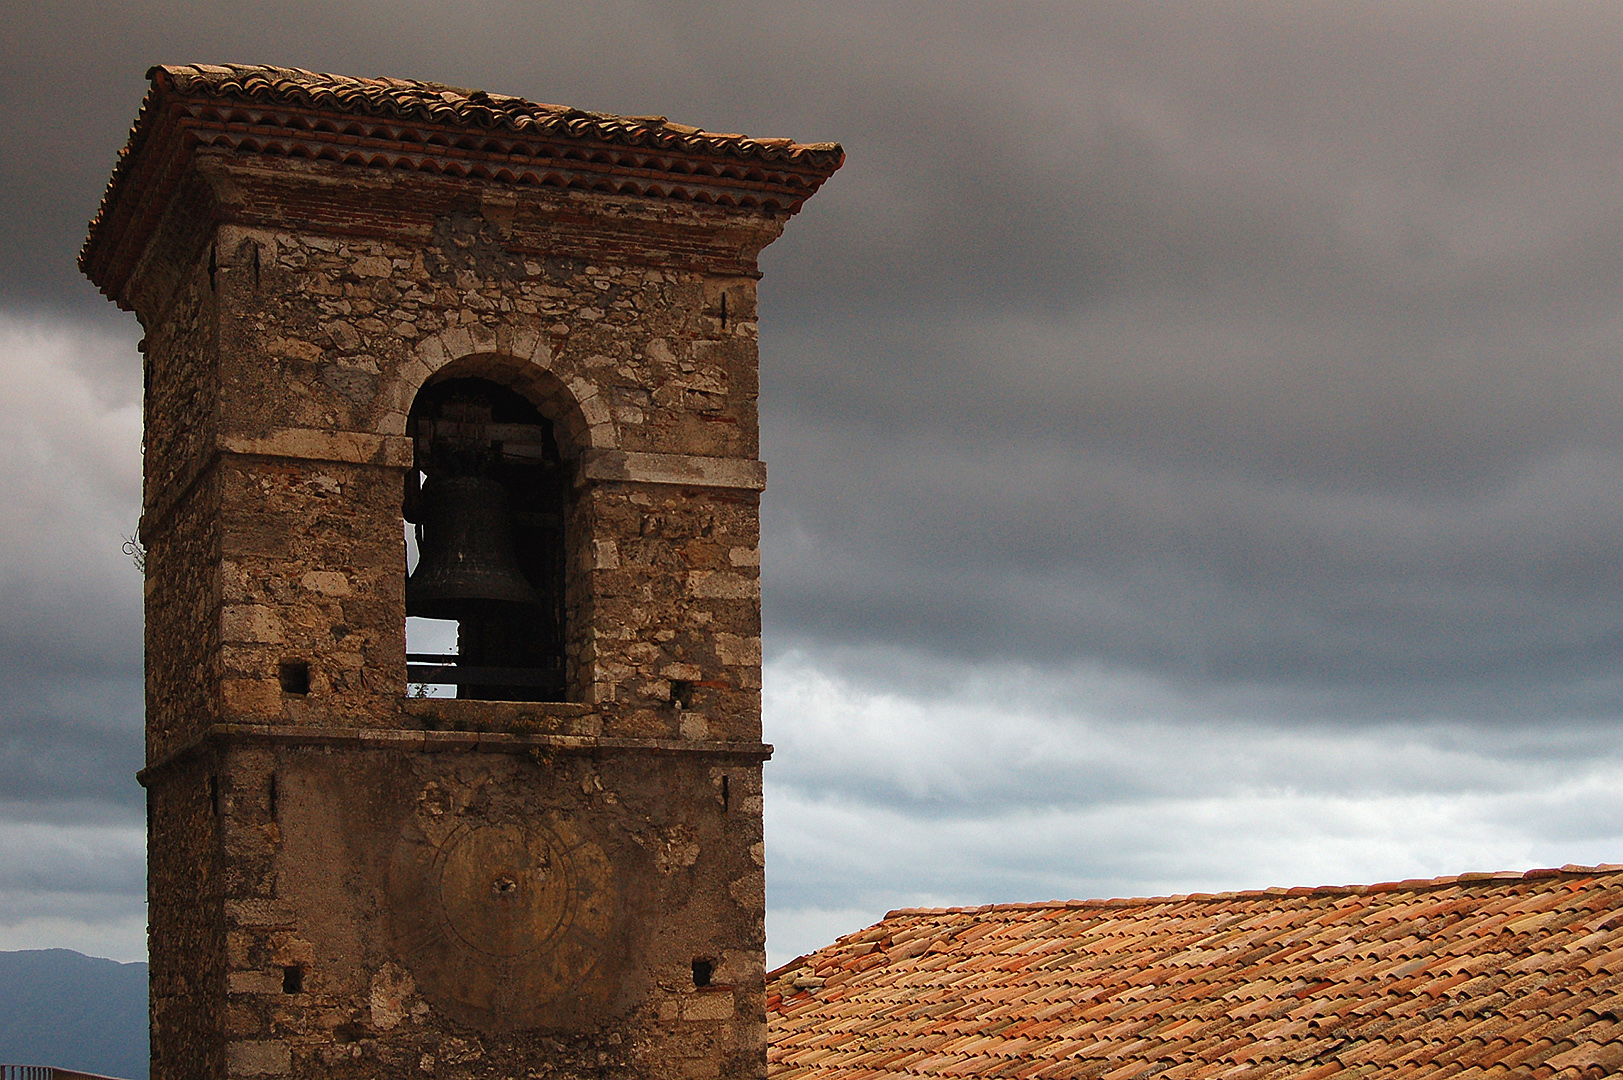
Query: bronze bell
(466, 561)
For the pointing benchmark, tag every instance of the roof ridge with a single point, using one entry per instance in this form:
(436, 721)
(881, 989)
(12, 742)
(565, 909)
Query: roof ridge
(1410, 885)
(435, 101)
(429, 128)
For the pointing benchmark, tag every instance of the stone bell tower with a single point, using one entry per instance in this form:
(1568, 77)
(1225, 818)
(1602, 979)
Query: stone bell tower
(525, 336)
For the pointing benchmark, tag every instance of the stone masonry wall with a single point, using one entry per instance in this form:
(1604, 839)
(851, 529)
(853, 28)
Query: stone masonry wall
(655, 881)
(180, 524)
(313, 573)
(347, 881)
(329, 338)
(186, 940)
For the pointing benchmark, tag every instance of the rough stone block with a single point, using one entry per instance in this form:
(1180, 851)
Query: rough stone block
(258, 1059)
(717, 585)
(254, 982)
(712, 1005)
(251, 623)
(738, 650)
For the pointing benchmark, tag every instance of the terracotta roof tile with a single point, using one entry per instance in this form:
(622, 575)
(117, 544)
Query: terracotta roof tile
(1479, 975)
(403, 125)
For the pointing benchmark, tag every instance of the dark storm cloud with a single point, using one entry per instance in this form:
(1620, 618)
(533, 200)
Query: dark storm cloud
(75, 78)
(1260, 356)
(1269, 342)
(1038, 549)
(63, 739)
(70, 636)
(957, 741)
(910, 779)
(1284, 354)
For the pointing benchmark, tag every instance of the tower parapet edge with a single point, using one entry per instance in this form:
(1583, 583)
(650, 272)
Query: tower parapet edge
(376, 307)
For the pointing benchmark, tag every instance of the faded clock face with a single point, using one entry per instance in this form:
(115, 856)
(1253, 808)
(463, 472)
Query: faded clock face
(504, 925)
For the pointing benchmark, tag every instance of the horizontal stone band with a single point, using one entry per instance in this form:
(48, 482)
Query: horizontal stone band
(361, 448)
(308, 444)
(686, 470)
(489, 742)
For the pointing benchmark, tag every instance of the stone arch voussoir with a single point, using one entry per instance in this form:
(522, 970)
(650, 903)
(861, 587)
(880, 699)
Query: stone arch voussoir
(580, 418)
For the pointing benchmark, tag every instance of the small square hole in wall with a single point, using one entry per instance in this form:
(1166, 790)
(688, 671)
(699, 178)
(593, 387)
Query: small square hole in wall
(293, 980)
(681, 693)
(702, 970)
(294, 676)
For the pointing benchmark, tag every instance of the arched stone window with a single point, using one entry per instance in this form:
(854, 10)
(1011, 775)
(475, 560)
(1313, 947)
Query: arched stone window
(486, 502)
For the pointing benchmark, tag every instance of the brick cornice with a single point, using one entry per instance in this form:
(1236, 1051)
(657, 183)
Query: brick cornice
(396, 125)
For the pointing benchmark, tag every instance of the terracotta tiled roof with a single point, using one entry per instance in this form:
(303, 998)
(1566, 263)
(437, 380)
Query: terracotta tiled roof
(1479, 975)
(450, 106)
(427, 127)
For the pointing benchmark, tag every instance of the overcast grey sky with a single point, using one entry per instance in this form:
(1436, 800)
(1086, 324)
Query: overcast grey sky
(1193, 432)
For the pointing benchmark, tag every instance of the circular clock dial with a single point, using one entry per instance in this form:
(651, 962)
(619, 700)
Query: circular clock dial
(506, 890)
(505, 924)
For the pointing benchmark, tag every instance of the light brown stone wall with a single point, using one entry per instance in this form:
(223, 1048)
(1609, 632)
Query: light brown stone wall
(186, 864)
(350, 882)
(662, 870)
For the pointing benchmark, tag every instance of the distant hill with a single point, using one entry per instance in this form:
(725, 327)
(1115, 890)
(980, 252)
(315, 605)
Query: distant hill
(59, 1007)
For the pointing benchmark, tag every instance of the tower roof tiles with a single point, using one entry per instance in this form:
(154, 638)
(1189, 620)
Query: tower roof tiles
(426, 127)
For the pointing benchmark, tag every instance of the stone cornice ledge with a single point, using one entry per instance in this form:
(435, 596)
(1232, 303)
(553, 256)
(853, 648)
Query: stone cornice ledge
(310, 444)
(414, 740)
(300, 444)
(686, 470)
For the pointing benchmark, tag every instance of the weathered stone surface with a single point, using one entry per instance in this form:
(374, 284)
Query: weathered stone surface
(345, 880)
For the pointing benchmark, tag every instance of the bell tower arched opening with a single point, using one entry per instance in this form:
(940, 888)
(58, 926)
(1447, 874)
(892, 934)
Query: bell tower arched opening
(486, 501)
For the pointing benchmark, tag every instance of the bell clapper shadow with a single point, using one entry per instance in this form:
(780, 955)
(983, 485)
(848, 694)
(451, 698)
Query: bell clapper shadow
(484, 509)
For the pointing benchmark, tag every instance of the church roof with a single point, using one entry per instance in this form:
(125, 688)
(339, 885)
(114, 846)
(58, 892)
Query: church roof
(426, 127)
(1472, 976)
